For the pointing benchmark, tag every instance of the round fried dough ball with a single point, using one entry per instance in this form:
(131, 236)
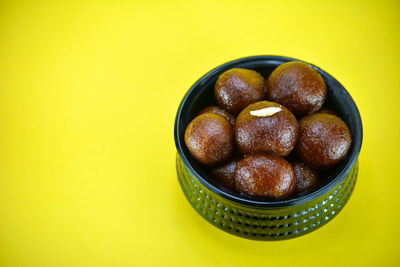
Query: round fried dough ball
(262, 175)
(237, 88)
(274, 134)
(223, 173)
(209, 138)
(324, 140)
(298, 87)
(306, 178)
(327, 111)
(219, 111)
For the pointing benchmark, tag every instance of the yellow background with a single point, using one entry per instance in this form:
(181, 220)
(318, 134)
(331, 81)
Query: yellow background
(88, 96)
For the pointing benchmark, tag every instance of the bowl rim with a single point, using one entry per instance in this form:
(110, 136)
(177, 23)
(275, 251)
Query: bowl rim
(261, 203)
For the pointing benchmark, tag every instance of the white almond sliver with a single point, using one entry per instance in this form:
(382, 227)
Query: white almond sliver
(265, 112)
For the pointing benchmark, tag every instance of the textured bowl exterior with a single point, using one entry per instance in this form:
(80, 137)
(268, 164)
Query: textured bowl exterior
(265, 223)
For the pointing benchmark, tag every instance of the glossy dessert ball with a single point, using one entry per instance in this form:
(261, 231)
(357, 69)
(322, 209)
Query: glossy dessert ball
(324, 140)
(262, 175)
(298, 87)
(306, 178)
(209, 138)
(237, 88)
(219, 111)
(223, 173)
(266, 127)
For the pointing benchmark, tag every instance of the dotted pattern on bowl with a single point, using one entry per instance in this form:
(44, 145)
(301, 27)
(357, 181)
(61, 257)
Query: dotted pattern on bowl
(265, 224)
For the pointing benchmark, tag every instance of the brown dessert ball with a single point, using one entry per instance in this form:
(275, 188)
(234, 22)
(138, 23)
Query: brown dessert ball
(327, 111)
(237, 88)
(324, 140)
(273, 134)
(209, 138)
(219, 111)
(262, 175)
(298, 87)
(306, 178)
(223, 173)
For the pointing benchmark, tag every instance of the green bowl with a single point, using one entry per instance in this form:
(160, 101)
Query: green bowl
(258, 218)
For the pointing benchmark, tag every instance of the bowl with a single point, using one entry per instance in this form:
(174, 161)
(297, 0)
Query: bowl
(258, 218)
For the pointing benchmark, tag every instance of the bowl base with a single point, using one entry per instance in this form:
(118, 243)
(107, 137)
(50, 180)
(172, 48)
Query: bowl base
(265, 223)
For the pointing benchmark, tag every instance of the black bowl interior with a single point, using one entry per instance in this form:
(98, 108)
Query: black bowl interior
(201, 95)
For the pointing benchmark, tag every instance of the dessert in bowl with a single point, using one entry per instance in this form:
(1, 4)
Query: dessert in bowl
(262, 216)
